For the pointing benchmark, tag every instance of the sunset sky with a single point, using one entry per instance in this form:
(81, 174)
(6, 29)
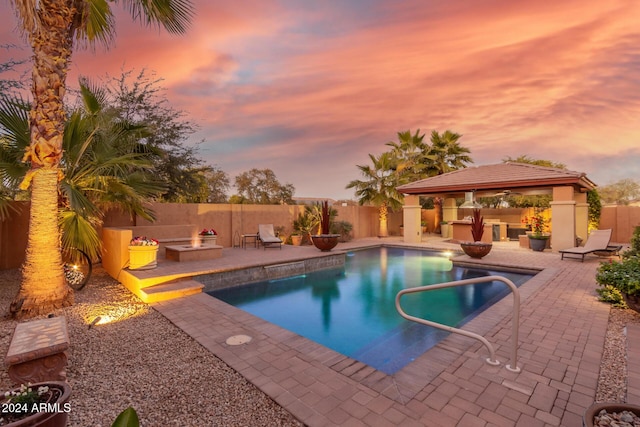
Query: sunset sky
(308, 89)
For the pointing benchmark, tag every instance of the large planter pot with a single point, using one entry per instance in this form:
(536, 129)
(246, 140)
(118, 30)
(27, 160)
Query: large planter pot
(209, 239)
(325, 242)
(143, 257)
(445, 231)
(611, 407)
(58, 404)
(476, 249)
(538, 244)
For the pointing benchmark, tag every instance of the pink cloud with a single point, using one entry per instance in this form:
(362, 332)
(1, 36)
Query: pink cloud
(332, 82)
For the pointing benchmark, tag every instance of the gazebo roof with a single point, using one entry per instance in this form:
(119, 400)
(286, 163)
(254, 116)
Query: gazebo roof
(499, 177)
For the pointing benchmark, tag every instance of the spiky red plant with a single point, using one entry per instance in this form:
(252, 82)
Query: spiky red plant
(477, 225)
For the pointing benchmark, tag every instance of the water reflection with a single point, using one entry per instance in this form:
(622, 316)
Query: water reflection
(326, 290)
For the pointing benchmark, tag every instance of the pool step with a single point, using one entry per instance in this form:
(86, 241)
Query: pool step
(170, 290)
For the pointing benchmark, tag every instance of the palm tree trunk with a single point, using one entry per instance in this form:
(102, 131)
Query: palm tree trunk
(383, 215)
(43, 286)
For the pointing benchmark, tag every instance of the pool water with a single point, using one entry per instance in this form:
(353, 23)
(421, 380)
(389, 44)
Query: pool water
(352, 309)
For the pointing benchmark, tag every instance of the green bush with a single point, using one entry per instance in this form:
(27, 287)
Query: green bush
(634, 250)
(624, 275)
(343, 228)
(611, 294)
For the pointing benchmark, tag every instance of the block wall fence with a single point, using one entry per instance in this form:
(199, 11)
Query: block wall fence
(229, 219)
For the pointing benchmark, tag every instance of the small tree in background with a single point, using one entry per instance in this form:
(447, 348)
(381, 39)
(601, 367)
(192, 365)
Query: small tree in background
(621, 192)
(261, 187)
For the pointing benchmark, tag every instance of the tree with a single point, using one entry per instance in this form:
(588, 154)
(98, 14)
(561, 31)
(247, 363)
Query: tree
(448, 155)
(538, 162)
(379, 187)
(217, 184)
(100, 165)
(54, 28)
(412, 156)
(11, 66)
(261, 187)
(621, 192)
(139, 99)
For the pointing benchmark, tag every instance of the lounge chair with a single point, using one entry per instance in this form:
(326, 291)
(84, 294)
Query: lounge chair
(268, 237)
(598, 241)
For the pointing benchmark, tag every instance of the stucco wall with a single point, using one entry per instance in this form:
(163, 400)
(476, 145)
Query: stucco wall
(622, 220)
(227, 219)
(13, 236)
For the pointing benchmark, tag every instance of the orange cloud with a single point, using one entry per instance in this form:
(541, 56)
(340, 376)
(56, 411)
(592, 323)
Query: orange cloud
(272, 83)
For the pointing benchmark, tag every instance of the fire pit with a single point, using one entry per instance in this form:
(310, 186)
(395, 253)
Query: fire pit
(183, 253)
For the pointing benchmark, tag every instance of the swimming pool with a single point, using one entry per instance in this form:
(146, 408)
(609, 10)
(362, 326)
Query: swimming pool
(352, 309)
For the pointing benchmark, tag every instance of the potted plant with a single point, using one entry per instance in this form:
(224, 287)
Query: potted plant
(40, 404)
(423, 226)
(325, 241)
(538, 239)
(296, 238)
(143, 253)
(477, 248)
(610, 414)
(208, 236)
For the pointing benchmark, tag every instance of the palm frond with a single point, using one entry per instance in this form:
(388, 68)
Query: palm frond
(96, 23)
(80, 233)
(174, 15)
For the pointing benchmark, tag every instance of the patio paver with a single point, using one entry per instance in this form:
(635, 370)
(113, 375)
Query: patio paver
(562, 332)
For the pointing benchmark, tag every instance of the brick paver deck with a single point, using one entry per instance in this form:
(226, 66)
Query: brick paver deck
(562, 332)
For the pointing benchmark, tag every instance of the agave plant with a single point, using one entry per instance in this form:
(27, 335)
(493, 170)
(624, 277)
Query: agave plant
(477, 225)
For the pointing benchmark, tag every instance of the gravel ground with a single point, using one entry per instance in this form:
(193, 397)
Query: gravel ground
(612, 382)
(146, 362)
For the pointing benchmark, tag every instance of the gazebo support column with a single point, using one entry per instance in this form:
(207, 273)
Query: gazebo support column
(449, 210)
(563, 215)
(411, 219)
(582, 216)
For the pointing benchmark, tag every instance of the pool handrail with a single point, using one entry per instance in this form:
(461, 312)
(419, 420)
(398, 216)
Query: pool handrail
(513, 366)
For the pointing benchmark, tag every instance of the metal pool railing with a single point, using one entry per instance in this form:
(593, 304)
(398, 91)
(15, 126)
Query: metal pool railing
(513, 366)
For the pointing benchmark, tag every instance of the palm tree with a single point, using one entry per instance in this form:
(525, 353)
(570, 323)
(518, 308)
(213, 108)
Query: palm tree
(447, 155)
(379, 187)
(53, 28)
(102, 166)
(412, 155)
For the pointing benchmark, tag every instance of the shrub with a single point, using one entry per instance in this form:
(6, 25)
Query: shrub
(634, 250)
(611, 294)
(343, 228)
(622, 276)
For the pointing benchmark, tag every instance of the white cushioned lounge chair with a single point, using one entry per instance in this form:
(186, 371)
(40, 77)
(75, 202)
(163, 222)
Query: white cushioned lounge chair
(268, 237)
(598, 241)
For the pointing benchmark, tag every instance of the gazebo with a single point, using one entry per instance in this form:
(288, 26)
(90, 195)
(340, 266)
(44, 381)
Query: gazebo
(569, 208)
